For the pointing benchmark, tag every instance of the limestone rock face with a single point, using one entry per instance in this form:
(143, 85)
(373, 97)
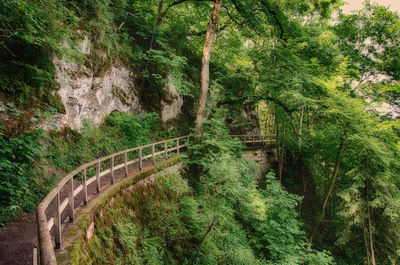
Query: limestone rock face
(87, 97)
(171, 102)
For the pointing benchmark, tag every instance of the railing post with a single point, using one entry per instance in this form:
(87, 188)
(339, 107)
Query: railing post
(126, 163)
(57, 221)
(252, 139)
(35, 256)
(98, 177)
(153, 153)
(177, 146)
(84, 186)
(71, 210)
(166, 149)
(140, 159)
(112, 180)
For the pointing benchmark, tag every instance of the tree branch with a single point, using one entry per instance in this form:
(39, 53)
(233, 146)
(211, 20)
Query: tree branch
(289, 113)
(240, 11)
(277, 21)
(208, 230)
(13, 54)
(178, 2)
(233, 19)
(201, 33)
(172, 5)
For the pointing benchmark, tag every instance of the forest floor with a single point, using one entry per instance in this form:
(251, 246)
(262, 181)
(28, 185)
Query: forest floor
(18, 239)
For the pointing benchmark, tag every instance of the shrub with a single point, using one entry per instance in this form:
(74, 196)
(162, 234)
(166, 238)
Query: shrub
(119, 131)
(18, 187)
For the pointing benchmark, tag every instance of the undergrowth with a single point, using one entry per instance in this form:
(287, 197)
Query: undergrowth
(225, 218)
(19, 190)
(30, 164)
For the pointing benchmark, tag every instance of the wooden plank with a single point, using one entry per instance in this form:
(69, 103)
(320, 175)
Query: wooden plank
(153, 153)
(84, 184)
(126, 164)
(102, 173)
(91, 180)
(147, 156)
(140, 159)
(133, 161)
(71, 208)
(78, 189)
(50, 223)
(172, 149)
(63, 205)
(45, 242)
(35, 256)
(57, 221)
(98, 177)
(159, 152)
(112, 179)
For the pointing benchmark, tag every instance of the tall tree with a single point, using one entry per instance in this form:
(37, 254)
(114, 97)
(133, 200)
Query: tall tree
(205, 69)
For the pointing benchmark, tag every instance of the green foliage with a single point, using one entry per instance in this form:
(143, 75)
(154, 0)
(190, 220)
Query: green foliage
(24, 182)
(317, 77)
(21, 188)
(119, 131)
(224, 219)
(29, 32)
(370, 40)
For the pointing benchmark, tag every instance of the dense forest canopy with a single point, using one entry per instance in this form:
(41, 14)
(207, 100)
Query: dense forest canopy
(300, 70)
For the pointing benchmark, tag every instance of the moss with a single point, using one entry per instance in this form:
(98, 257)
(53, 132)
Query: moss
(119, 93)
(75, 237)
(57, 103)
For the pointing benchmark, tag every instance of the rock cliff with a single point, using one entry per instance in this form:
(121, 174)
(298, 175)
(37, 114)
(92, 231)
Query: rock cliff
(87, 96)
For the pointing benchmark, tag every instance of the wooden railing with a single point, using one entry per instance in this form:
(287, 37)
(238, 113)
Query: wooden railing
(255, 139)
(61, 200)
(66, 187)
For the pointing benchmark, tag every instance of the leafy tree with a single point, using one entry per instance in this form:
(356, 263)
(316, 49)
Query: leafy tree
(369, 40)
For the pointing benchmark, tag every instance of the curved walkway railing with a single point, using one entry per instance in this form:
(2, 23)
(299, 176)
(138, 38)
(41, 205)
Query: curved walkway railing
(61, 201)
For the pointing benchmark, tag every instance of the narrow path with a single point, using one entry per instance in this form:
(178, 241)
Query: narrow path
(18, 239)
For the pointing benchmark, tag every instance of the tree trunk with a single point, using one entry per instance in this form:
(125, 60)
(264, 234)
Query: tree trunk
(297, 156)
(278, 146)
(301, 123)
(205, 70)
(156, 24)
(281, 166)
(331, 184)
(271, 129)
(278, 154)
(366, 246)
(371, 242)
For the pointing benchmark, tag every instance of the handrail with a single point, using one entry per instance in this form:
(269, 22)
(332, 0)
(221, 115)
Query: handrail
(45, 225)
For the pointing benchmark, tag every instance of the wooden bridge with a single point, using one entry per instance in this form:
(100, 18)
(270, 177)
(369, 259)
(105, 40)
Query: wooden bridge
(61, 203)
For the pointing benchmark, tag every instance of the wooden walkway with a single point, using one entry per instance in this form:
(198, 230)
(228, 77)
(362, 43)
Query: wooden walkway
(61, 203)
